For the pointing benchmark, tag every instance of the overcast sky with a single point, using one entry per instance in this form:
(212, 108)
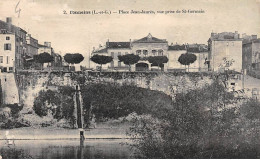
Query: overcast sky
(44, 19)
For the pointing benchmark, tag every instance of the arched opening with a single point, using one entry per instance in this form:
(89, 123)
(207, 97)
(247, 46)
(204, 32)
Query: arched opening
(141, 67)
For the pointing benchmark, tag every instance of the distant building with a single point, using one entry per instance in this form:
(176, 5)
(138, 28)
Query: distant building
(175, 51)
(225, 51)
(144, 47)
(7, 51)
(32, 46)
(149, 46)
(251, 52)
(20, 41)
(57, 59)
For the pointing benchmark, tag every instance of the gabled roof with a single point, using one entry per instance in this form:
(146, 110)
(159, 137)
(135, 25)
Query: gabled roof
(150, 39)
(118, 45)
(101, 50)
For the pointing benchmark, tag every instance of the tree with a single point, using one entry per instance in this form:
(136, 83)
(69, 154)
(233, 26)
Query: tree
(129, 59)
(101, 59)
(75, 58)
(187, 59)
(158, 60)
(43, 58)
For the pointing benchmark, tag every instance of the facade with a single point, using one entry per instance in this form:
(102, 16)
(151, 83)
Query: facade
(251, 53)
(225, 51)
(32, 46)
(20, 41)
(144, 47)
(116, 49)
(175, 51)
(149, 46)
(7, 51)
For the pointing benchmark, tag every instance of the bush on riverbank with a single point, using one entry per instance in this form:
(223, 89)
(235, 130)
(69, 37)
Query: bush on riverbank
(57, 104)
(200, 124)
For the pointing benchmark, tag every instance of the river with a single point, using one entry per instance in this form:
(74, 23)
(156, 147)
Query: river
(68, 149)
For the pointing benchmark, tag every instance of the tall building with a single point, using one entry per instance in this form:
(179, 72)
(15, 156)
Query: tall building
(225, 51)
(20, 41)
(251, 52)
(7, 51)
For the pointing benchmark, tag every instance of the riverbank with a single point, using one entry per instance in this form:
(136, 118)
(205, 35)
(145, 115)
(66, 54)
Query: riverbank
(50, 133)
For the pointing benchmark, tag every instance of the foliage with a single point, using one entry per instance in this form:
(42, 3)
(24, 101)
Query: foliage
(129, 59)
(198, 124)
(59, 104)
(75, 58)
(101, 59)
(187, 59)
(158, 60)
(43, 58)
(114, 101)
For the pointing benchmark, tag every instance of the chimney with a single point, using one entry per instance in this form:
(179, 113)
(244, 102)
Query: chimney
(236, 36)
(172, 44)
(100, 46)
(9, 20)
(130, 40)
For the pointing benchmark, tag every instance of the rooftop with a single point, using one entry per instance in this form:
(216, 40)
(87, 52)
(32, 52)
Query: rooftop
(150, 39)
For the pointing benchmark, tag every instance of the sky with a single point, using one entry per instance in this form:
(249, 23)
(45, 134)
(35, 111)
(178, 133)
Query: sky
(69, 33)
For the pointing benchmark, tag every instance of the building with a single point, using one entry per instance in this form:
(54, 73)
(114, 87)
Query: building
(113, 49)
(57, 59)
(32, 46)
(144, 47)
(175, 51)
(20, 41)
(251, 53)
(225, 51)
(7, 51)
(149, 46)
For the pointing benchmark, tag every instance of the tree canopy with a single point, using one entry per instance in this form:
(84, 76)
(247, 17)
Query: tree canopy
(129, 59)
(75, 58)
(101, 59)
(158, 60)
(187, 58)
(43, 58)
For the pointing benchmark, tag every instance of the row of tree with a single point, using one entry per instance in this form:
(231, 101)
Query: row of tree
(45, 57)
(130, 59)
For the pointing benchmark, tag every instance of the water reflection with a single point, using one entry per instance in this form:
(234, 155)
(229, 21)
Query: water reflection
(69, 149)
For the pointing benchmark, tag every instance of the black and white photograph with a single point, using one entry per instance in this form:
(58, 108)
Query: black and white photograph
(129, 79)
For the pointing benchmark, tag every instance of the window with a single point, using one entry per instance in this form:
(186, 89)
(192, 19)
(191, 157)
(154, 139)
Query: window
(112, 54)
(112, 64)
(1, 59)
(10, 68)
(119, 64)
(7, 61)
(138, 52)
(160, 52)
(145, 52)
(7, 46)
(7, 38)
(154, 52)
